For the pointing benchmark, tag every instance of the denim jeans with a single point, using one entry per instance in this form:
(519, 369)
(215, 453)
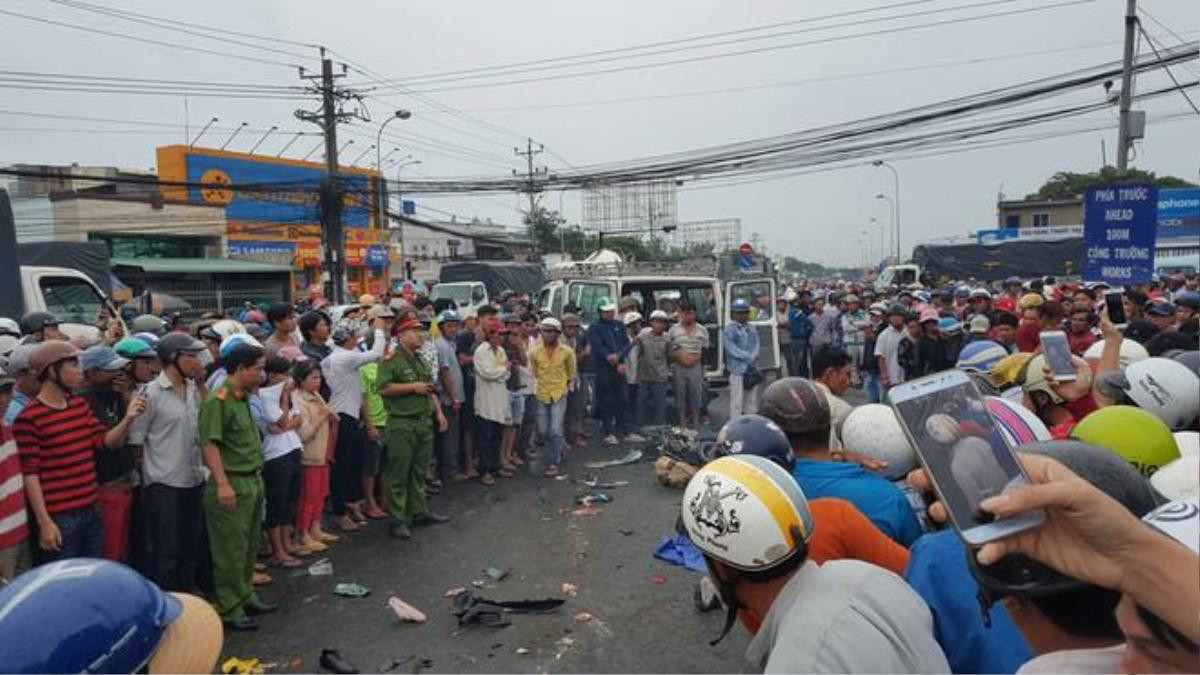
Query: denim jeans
(799, 358)
(871, 384)
(550, 417)
(654, 403)
(82, 536)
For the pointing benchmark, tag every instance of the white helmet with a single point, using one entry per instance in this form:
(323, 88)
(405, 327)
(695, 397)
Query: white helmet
(1179, 520)
(632, 317)
(551, 323)
(227, 327)
(236, 339)
(1018, 424)
(1188, 443)
(1178, 479)
(9, 327)
(874, 431)
(1166, 388)
(746, 511)
(1131, 352)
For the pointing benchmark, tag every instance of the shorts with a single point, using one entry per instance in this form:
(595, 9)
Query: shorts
(516, 408)
(373, 456)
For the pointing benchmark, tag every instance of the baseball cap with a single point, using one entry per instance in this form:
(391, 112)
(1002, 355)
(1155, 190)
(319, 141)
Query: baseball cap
(606, 305)
(380, 312)
(101, 357)
(1161, 308)
(980, 324)
(632, 318)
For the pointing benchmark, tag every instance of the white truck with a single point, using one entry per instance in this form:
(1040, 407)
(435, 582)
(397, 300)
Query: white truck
(663, 286)
(70, 295)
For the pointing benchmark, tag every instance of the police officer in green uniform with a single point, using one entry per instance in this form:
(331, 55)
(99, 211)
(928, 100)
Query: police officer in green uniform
(233, 498)
(406, 385)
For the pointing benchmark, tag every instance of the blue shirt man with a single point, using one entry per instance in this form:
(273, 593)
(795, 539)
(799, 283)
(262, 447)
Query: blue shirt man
(741, 347)
(880, 501)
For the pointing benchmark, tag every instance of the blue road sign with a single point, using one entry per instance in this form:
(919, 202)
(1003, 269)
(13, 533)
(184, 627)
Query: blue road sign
(1120, 224)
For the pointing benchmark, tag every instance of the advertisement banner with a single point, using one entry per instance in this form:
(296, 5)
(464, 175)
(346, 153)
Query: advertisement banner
(1120, 224)
(992, 236)
(1179, 214)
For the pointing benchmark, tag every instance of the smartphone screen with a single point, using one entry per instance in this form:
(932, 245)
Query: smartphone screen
(1058, 354)
(962, 450)
(1113, 302)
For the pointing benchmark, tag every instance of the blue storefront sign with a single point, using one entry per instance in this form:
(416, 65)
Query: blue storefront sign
(1120, 224)
(1179, 214)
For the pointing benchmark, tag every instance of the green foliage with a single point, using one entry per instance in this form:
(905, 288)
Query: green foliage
(551, 234)
(811, 270)
(1070, 185)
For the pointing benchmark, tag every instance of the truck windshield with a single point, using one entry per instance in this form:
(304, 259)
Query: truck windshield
(459, 293)
(71, 299)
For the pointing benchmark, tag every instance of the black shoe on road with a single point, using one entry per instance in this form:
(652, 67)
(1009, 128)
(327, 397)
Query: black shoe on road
(256, 606)
(333, 661)
(431, 518)
(400, 531)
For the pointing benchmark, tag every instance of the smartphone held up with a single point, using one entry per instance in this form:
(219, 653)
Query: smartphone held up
(962, 451)
(1058, 355)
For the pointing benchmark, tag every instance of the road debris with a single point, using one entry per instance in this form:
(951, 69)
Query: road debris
(586, 511)
(406, 612)
(471, 609)
(524, 650)
(658, 579)
(321, 568)
(570, 589)
(333, 661)
(598, 498)
(235, 666)
(496, 573)
(583, 617)
(629, 458)
(451, 592)
(351, 590)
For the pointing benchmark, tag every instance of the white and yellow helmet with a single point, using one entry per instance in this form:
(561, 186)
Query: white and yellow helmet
(747, 512)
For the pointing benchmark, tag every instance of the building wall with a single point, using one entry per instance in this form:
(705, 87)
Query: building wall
(1059, 213)
(77, 217)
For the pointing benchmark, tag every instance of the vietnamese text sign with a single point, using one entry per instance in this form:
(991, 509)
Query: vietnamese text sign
(1119, 227)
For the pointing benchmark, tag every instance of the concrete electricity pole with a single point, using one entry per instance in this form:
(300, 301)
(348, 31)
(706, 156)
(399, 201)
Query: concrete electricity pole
(1126, 132)
(530, 187)
(332, 191)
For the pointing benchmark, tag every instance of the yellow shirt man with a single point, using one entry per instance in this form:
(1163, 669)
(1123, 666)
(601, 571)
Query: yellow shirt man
(553, 368)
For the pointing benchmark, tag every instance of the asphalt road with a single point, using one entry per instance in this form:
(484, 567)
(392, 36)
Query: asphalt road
(523, 524)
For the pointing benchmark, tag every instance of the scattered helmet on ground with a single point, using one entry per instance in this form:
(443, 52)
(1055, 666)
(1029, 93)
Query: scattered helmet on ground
(980, 356)
(86, 615)
(747, 512)
(1166, 388)
(797, 405)
(757, 435)
(1178, 478)
(1138, 436)
(1131, 352)
(1018, 424)
(873, 430)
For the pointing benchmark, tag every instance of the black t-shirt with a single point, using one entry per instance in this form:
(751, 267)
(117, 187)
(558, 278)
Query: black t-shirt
(109, 407)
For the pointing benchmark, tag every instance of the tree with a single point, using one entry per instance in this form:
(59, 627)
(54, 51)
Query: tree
(1070, 185)
(542, 225)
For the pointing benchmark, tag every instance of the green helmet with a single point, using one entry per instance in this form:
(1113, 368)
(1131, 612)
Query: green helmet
(133, 348)
(1134, 434)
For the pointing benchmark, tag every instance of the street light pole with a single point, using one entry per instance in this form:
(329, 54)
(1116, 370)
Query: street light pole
(896, 204)
(206, 126)
(404, 161)
(895, 228)
(882, 250)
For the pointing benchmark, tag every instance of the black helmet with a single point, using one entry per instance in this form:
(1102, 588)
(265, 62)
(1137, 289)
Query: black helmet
(148, 323)
(170, 346)
(34, 322)
(757, 435)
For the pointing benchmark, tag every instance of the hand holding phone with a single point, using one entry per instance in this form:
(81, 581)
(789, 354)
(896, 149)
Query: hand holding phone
(962, 452)
(1114, 305)
(1058, 355)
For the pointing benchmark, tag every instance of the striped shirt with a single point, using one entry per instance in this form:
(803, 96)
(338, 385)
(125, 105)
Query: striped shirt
(59, 446)
(13, 527)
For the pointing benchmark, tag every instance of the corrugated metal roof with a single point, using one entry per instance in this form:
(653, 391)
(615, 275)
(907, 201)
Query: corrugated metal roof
(201, 265)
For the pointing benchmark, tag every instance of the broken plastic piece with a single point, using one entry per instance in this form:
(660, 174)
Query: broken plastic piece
(351, 590)
(406, 612)
(451, 592)
(495, 573)
(583, 617)
(629, 458)
(235, 666)
(588, 500)
(523, 650)
(322, 567)
(570, 589)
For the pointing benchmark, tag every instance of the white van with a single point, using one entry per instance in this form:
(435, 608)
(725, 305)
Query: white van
(468, 296)
(664, 286)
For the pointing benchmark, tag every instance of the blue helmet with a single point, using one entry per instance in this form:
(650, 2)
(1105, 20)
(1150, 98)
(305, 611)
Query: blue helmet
(739, 305)
(82, 615)
(757, 435)
(949, 325)
(448, 315)
(980, 356)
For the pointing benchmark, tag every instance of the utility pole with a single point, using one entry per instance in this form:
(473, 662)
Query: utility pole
(1125, 133)
(530, 186)
(332, 191)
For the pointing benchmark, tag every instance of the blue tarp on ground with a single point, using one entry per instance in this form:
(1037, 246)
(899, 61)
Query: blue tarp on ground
(679, 550)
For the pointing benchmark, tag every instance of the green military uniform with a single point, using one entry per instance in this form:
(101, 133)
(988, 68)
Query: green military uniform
(409, 436)
(226, 421)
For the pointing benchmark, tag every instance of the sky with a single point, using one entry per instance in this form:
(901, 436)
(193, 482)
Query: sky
(470, 130)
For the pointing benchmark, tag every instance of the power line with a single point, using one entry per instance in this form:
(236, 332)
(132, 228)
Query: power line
(235, 86)
(127, 16)
(150, 41)
(1167, 68)
(757, 50)
(1142, 10)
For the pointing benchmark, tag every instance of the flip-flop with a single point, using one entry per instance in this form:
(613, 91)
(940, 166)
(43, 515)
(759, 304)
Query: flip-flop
(406, 612)
(506, 473)
(488, 480)
(285, 564)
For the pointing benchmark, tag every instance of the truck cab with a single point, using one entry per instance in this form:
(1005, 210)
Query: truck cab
(68, 294)
(468, 296)
(898, 275)
(664, 286)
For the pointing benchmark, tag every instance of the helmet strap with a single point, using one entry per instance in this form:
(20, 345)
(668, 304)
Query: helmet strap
(728, 592)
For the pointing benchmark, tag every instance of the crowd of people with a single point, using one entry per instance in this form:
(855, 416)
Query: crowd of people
(187, 450)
